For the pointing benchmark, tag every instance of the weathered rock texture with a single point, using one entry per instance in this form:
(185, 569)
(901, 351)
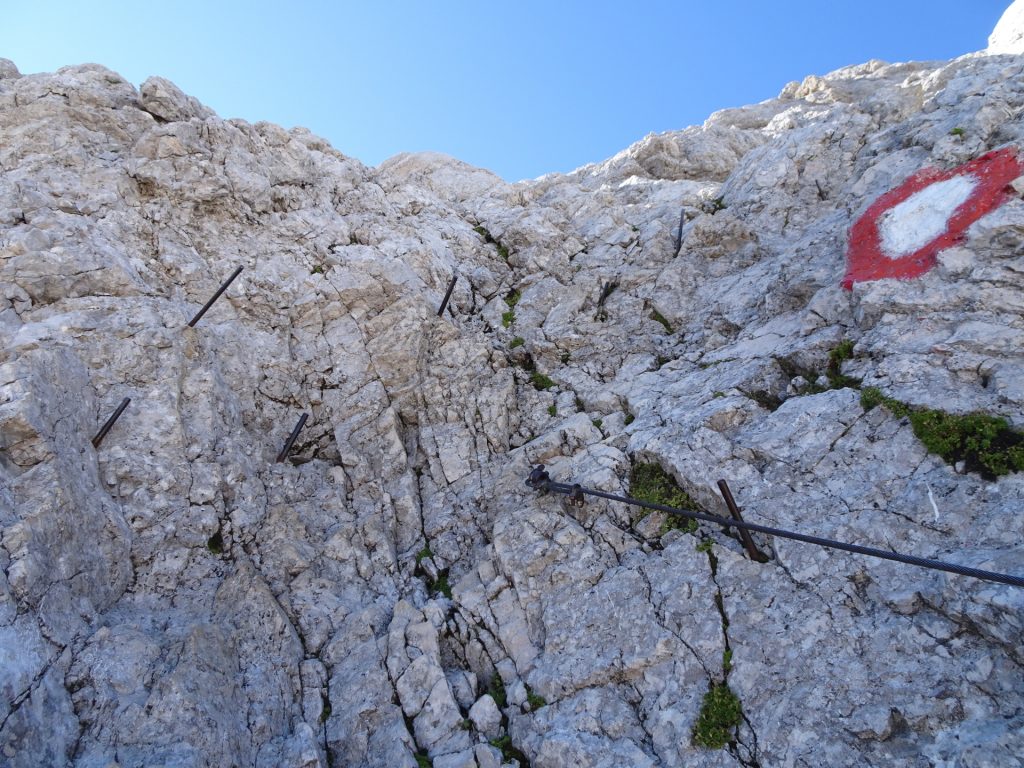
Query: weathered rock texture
(177, 598)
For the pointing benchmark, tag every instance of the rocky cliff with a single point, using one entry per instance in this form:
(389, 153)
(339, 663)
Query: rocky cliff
(393, 594)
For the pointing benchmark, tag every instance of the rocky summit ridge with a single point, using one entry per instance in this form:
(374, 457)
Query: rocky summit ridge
(393, 594)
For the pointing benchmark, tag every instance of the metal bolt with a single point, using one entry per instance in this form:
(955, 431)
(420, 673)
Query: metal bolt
(447, 295)
(224, 287)
(748, 541)
(575, 497)
(291, 438)
(109, 423)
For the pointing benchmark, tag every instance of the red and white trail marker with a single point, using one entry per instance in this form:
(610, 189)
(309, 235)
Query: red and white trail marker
(903, 230)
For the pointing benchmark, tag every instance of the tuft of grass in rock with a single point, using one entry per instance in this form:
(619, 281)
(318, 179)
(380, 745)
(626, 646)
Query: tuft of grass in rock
(842, 352)
(508, 751)
(677, 523)
(630, 418)
(535, 701)
(958, 131)
(497, 690)
(540, 381)
(660, 318)
(704, 545)
(325, 712)
(507, 318)
(727, 660)
(552, 410)
(986, 444)
(215, 543)
(423, 554)
(490, 240)
(441, 586)
(718, 204)
(720, 716)
(423, 760)
(597, 422)
(651, 483)
(518, 341)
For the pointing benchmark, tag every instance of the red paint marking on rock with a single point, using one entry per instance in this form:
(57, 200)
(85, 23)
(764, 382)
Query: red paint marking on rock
(866, 256)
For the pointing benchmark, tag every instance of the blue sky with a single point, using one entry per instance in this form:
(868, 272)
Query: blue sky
(521, 88)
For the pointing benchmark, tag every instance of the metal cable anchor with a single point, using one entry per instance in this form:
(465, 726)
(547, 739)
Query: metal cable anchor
(575, 497)
(538, 479)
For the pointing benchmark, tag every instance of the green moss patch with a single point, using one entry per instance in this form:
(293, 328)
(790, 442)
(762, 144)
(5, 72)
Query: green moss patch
(657, 317)
(651, 483)
(986, 444)
(540, 381)
(720, 716)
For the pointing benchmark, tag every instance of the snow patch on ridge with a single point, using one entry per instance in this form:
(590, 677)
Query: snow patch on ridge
(923, 216)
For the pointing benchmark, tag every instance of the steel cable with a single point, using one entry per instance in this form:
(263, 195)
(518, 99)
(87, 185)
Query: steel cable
(542, 482)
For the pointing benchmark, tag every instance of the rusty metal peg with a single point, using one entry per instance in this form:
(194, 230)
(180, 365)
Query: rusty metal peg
(291, 438)
(447, 295)
(575, 497)
(109, 423)
(748, 541)
(207, 305)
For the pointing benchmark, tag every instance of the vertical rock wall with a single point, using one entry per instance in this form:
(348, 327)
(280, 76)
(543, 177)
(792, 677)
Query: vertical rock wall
(393, 592)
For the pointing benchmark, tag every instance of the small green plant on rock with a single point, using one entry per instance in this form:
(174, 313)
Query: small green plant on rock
(441, 586)
(958, 131)
(423, 760)
(216, 543)
(507, 318)
(497, 690)
(518, 341)
(540, 381)
(490, 240)
(508, 751)
(720, 716)
(423, 554)
(552, 410)
(660, 318)
(986, 444)
(651, 483)
(535, 701)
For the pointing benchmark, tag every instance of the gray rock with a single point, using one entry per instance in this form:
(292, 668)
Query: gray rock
(486, 716)
(176, 597)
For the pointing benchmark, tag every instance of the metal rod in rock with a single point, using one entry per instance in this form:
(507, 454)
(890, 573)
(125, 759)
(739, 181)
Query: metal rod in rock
(224, 287)
(748, 541)
(110, 422)
(679, 234)
(447, 295)
(291, 438)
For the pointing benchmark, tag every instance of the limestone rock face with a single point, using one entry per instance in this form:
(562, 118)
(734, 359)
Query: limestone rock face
(393, 591)
(1008, 36)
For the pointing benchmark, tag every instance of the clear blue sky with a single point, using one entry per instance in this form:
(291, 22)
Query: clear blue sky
(523, 88)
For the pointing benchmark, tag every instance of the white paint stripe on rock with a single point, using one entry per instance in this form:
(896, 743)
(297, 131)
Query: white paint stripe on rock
(923, 216)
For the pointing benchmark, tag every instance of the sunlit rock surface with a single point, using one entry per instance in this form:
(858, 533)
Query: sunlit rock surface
(393, 589)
